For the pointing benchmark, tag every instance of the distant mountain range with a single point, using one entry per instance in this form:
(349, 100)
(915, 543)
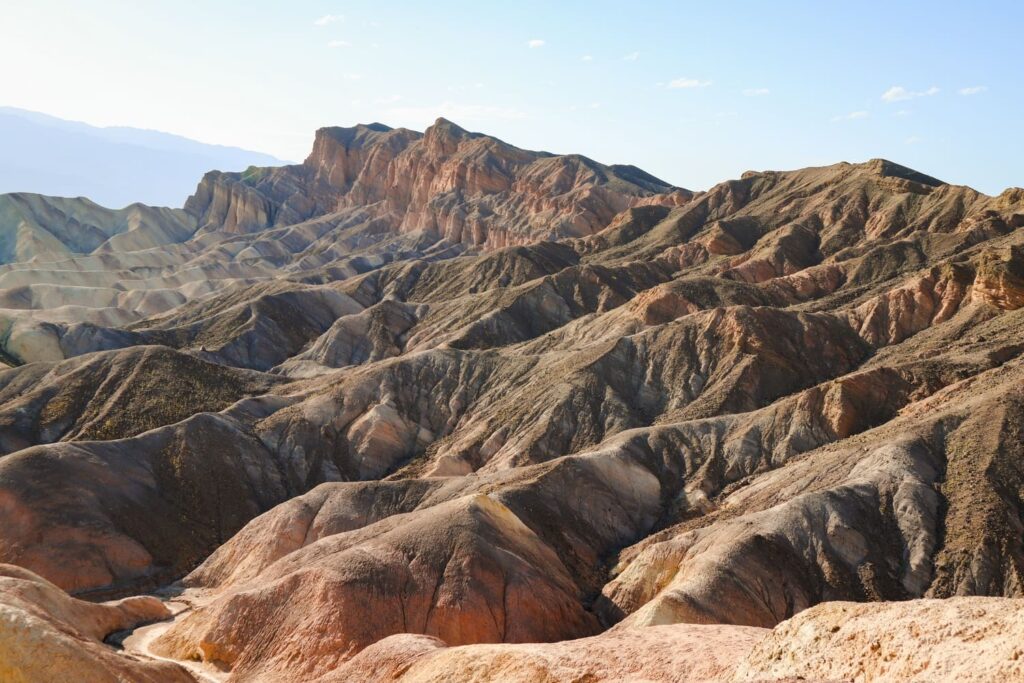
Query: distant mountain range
(113, 166)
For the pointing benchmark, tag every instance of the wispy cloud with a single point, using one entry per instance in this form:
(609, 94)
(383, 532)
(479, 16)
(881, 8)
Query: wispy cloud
(898, 93)
(902, 113)
(688, 83)
(462, 87)
(631, 57)
(328, 19)
(587, 58)
(339, 43)
(756, 92)
(852, 116)
(352, 77)
(912, 140)
(390, 99)
(973, 90)
(536, 42)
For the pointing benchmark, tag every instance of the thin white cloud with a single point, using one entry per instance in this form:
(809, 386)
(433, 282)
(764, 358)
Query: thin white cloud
(536, 42)
(756, 92)
(902, 113)
(339, 43)
(912, 140)
(587, 58)
(462, 87)
(352, 77)
(898, 93)
(631, 57)
(852, 116)
(973, 90)
(390, 99)
(328, 19)
(688, 83)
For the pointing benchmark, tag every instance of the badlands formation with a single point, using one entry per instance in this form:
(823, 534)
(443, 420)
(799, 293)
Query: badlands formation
(429, 407)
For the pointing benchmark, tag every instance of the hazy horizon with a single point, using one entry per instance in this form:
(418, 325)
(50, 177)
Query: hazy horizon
(681, 90)
(112, 166)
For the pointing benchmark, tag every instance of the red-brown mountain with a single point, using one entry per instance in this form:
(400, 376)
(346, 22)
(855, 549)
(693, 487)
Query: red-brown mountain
(465, 187)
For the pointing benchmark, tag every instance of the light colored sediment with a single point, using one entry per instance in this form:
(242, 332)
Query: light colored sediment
(678, 653)
(956, 639)
(45, 635)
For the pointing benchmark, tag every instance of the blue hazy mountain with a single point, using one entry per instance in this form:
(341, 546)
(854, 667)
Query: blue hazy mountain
(113, 166)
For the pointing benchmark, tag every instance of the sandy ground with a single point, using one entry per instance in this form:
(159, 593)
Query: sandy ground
(138, 643)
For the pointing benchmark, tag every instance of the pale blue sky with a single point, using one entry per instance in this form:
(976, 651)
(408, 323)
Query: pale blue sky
(695, 93)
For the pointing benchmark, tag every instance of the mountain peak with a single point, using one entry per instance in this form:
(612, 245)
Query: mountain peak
(465, 186)
(359, 133)
(444, 136)
(448, 126)
(890, 169)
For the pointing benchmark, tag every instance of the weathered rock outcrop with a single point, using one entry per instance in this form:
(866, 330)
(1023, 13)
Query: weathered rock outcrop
(465, 187)
(50, 229)
(114, 394)
(47, 636)
(958, 639)
(468, 571)
(664, 653)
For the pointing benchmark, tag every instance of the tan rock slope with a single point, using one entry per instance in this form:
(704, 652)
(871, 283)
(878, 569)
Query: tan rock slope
(47, 636)
(958, 639)
(436, 385)
(468, 571)
(683, 652)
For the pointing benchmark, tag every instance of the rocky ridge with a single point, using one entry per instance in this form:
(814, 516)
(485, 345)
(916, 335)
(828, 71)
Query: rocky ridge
(470, 375)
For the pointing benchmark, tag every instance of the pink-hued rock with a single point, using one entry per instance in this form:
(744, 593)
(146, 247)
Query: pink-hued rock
(465, 187)
(956, 639)
(46, 636)
(679, 653)
(468, 571)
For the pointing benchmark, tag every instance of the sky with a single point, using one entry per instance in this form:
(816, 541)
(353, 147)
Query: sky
(695, 93)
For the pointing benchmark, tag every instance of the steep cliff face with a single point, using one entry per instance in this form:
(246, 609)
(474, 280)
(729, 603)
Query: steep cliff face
(461, 186)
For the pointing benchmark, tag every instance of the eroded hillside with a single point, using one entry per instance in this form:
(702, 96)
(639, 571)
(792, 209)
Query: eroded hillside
(434, 384)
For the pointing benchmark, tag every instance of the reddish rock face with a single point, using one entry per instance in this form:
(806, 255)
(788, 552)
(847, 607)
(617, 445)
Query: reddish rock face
(468, 571)
(464, 187)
